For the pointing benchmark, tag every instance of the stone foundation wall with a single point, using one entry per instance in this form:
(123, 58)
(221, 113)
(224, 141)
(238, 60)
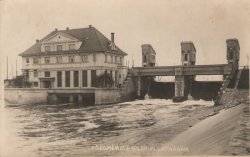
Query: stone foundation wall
(41, 96)
(234, 96)
(128, 91)
(25, 96)
(106, 96)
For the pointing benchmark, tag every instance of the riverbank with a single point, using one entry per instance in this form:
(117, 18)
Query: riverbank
(218, 130)
(215, 135)
(151, 140)
(141, 127)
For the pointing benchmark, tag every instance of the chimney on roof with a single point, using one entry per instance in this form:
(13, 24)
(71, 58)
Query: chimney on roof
(37, 40)
(90, 26)
(67, 28)
(113, 37)
(56, 29)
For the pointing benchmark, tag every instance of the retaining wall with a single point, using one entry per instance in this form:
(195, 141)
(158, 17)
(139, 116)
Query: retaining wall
(234, 96)
(106, 96)
(25, 96)
(40, 96)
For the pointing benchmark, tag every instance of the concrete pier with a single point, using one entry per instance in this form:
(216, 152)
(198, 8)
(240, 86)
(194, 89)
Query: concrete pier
(186, 72)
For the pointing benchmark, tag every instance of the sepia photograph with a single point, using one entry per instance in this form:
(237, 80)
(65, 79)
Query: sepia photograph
(124, 78)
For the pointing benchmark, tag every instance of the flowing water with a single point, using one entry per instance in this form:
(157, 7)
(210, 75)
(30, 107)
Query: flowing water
(62, 130)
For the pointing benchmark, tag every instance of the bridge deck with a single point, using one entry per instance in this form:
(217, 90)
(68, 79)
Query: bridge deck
(217, 69)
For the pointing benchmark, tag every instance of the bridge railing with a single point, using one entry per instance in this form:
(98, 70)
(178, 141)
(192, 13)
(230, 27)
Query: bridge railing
(218, 69)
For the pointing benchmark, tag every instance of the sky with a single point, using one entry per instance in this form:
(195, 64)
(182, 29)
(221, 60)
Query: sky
(161, 23)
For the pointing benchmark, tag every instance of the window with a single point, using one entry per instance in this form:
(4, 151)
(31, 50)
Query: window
(185, 57)
(47, 74)
(84, 78)
(71, 59)
(145, 58)
(35, 60)
(35, 84)
(71, 46)
(93, 78)
(47, 60)
(59, 79)
(59, 47)
(120, 60)
(94, 57)
(47, 48)
(115, 59)
(67, 78)
(59, 59)
(76, 78)
(111, 59)
(27, 73)
(85, 58)
(35, 74)
(27, 60)
(106, 58)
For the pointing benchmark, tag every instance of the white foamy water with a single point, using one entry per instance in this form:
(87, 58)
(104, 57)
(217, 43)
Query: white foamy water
(50, 130)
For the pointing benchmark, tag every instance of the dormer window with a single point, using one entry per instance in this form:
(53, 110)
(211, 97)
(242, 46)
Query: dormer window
(85, 58)
(35, 60)
(94, 57)
(71, 59)
(47, 48)
(59, 59)
(59, 47)
(71, 46)
(106, 57)
(47, 60)
(27, 60)
(120, 60)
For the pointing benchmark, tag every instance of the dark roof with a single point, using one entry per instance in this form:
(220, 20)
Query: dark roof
(92, 41)
(190, 43)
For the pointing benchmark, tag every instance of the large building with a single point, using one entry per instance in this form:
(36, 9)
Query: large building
(74, 58)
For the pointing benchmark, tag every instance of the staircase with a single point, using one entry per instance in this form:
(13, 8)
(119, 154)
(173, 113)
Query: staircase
(127, 79)
(238, 78)
(243, 82)
(224, 86)
(233, 80)
(127, 89)
(232, 85)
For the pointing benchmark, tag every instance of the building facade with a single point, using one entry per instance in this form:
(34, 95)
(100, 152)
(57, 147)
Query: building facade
(74, 58)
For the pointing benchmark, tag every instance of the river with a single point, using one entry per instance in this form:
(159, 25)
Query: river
(64, 130)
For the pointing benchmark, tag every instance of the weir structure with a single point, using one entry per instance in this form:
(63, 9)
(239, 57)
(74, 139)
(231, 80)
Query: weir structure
(186, 72)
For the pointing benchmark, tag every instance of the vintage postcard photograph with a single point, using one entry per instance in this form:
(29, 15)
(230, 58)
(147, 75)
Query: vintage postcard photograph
(124, 78)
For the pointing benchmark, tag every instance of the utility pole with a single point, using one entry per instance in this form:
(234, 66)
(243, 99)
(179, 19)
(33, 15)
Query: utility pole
(247, 61)
(12, 70)
(16, 67)
(132, 60)
(7, 68)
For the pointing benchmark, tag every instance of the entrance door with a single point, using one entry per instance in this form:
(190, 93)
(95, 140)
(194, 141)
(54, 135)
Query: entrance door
(47, 84)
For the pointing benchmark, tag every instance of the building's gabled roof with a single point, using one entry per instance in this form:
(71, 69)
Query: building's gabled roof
(92, 41)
